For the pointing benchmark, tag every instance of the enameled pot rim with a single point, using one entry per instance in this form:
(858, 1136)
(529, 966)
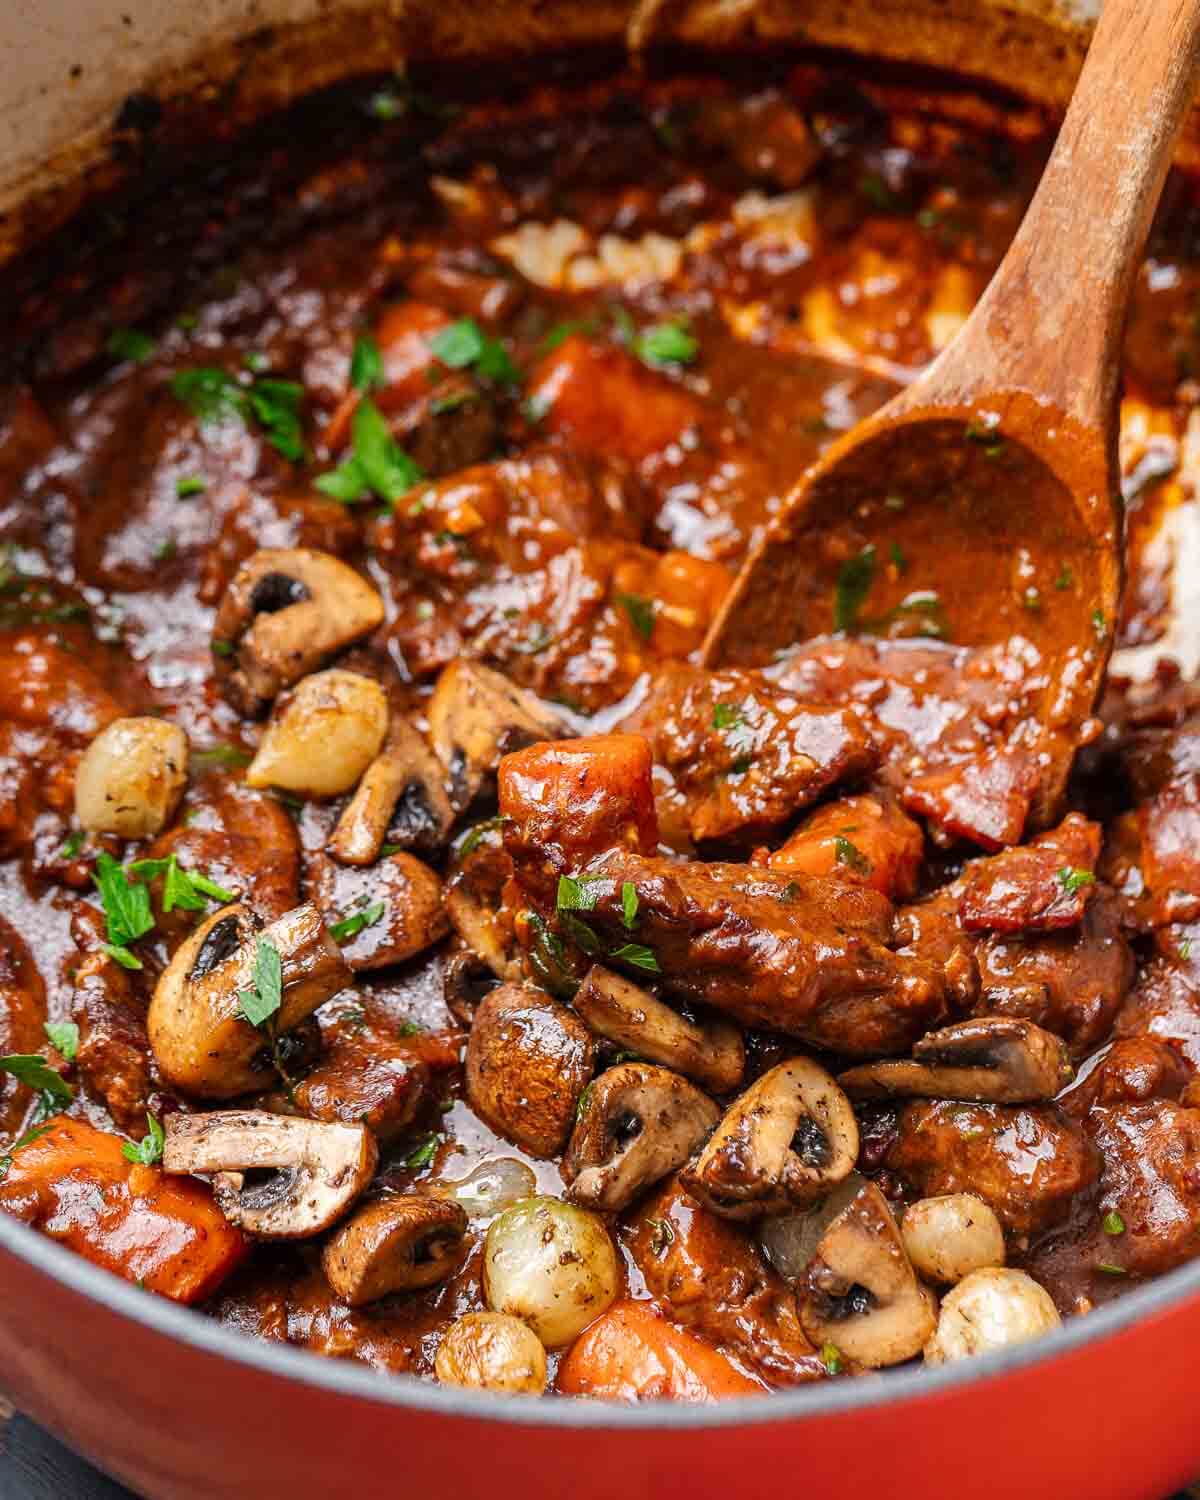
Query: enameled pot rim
(410, 1393)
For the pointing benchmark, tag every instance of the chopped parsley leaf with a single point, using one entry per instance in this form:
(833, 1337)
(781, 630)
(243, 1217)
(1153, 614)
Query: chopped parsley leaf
(850, 854)
(475, 836)
(629, 904)
(190, 484)
(1112, 1222)
(1065, 578)
(366, 365)
(1100, 625)
(63, 1037)
(72, 844)
(377, 465)
(464, 344)
(259, 1004)
(149, 1149)
(129, 343)
(855, 578)
(1109, 1269)
(640, 612)
(423, 1154)
(638, 955)
(35, 1072)
(186, 889)
(727, 716)
(215, 397)
(665, 344)
(831, 1358)
(1072, 880)
(127, 913)
(349, 927)
(577, 893)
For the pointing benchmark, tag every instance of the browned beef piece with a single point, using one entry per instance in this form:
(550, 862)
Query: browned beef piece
(452, 426)
(1130, 1072)
(114, 1058)
(243, 840)
(1151, 1180)
(1165, 1004)
(742, 753)
(1028, 1162)
(715, 1281)
(1040, 887)
(801, 955)
(22, 1013)
(930, 931)
(1071, 982)
(364, 1078)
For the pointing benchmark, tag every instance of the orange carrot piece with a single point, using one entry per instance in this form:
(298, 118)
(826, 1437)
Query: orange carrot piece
(632, 1354)
(866, 840)
(166, 1233)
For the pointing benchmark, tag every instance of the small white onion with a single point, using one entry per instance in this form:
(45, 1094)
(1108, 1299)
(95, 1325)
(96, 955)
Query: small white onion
(131, 778)
(490, 1351)
(987, 1310)
(551, 1265)
(322, 735)
(491, 1187)
(951, 1236)
(789, 1240)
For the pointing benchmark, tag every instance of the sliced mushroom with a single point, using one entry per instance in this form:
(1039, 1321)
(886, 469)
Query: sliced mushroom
(622, 1012)
(863, 1295)
(131, 778)
(397, 1245)
(317, 1170)
(636, 1125)
(528, 1061)
(476, 717)
(466, 979)
(995, 1059)
(285, 613)
(401, 799)
(202, 1043)
(787, 1140)
(476, 908)
(322, 736)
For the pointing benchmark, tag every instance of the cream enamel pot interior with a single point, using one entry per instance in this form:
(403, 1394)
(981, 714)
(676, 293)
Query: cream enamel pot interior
(180, 1408)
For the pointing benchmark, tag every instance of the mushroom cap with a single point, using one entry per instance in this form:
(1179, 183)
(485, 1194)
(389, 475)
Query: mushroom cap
(476, 717)
(285, 612)
(862, 1293)
(395, 1245)
(401, 799)
(202, 1043)
(788, 1139)
(990, 1309)
(528, 1062)
(322, 735)
(636, 1125)
(992, 1059)
(131, 777)
(615, 1008)
(319, 1169)
(413, 916)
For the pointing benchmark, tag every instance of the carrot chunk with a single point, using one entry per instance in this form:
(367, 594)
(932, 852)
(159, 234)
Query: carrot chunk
(166, 1233)
(631, 1354)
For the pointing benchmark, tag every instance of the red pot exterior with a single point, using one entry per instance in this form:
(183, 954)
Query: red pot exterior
(1111, 1419)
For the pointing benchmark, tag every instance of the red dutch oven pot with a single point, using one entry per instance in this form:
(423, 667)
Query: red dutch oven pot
(180, 1408)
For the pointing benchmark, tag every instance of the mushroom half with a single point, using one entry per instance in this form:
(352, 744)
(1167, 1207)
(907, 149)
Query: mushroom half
(396, 1245)
(476, 717)
(315, 1171)
(622, 1012)
(786, 1141)
(401, 799)
(994, 1059)
(862, 1293)
(285, 613)
(202, 1043)
(636, 1125)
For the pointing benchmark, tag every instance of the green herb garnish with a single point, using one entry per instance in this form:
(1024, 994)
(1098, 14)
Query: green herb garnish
(149, 1149)
(1112, 1222)
(851, 855)
(464, 345)
(639, 956)
(127, 911)
(629, 904)
(1109, 1269)
(259, 1004)
(215, 397)
(423, 1154)
(665, 344)
(831, 1358)
(366, 365)
(1072, 880)
(349, 927)
(377, 465)
(855, 578)
(129, 343)
(640, 612)
(727, 716)
(474, 836)
(63, 1037)
(35, 1073)
(190, 484)
(72, 844)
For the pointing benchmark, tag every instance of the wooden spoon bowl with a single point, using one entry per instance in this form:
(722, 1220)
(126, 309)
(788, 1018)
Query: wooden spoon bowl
(982, 505)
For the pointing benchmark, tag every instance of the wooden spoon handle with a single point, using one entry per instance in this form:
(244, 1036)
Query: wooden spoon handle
(1051, 322)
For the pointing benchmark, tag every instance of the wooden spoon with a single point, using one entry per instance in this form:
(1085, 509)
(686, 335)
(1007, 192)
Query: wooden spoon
(991, 483)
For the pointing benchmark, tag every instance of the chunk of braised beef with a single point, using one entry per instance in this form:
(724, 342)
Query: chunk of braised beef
(1039, 887)
(1027, 1162)
(714, 1280)
(1165, 1004)
(1150, 1182)
(114, 1059)
(22, 1012)
(1132, 1071)
(744, 754)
